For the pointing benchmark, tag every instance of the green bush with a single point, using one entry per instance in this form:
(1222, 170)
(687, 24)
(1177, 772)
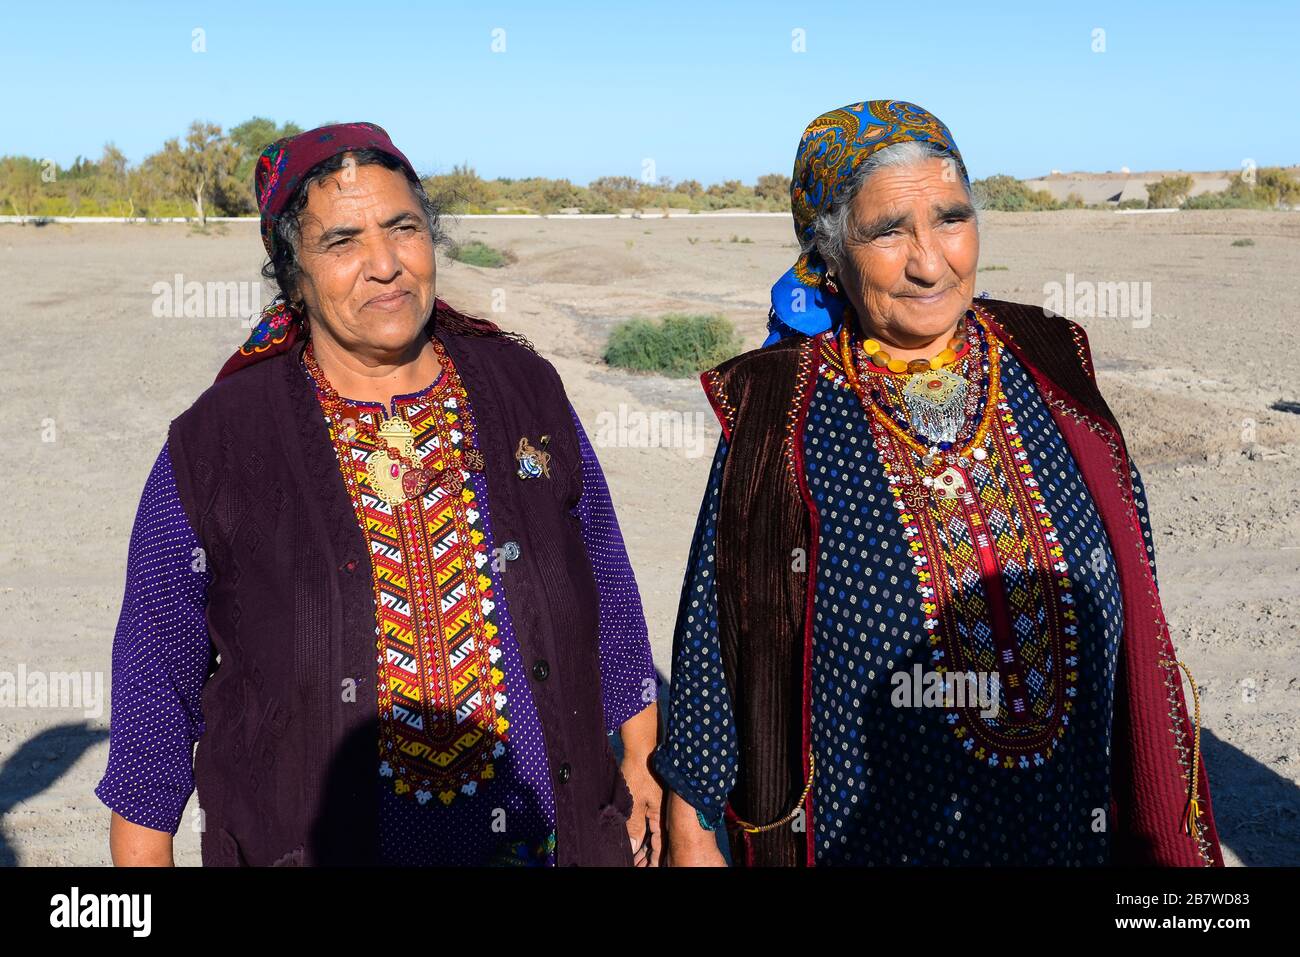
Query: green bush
(675, 345)
(480, 254)
(1273, 187)
(1008, 194)
(1168, 192)
(1226, 200)
(1234, 197)
(1278, 186)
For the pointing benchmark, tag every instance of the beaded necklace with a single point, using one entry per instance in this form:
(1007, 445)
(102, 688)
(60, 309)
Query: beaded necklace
(934, 455)
(971, 364)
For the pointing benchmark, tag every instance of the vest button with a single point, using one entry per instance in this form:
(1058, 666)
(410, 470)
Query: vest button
(541, 670)
(349, 565)
(565, 773)
(510, 550)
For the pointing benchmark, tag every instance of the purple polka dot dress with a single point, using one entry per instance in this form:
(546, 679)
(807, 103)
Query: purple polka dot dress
(162, 657)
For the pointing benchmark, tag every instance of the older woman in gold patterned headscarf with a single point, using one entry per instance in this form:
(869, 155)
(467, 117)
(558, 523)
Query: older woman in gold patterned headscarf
(920, 622)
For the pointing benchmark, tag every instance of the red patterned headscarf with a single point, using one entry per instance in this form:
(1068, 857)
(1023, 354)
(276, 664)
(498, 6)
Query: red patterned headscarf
(280, 169)
(283, 164)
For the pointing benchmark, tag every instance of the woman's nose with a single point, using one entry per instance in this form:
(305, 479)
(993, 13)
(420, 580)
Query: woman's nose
(382, 261)
(926, 261)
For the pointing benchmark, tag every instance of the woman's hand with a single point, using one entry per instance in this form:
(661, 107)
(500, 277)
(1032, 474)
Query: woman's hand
(640, 734)
(647, 802)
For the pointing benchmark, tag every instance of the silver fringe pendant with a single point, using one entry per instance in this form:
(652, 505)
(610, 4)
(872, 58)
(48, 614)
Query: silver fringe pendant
(936, 404)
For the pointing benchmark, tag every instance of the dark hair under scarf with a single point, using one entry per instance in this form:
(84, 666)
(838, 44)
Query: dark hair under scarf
(280, 170)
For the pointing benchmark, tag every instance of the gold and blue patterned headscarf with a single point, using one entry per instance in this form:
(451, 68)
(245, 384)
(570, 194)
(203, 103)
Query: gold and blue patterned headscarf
(831, 148)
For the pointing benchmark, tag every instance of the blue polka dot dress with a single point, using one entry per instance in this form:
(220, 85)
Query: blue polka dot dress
(901, 778)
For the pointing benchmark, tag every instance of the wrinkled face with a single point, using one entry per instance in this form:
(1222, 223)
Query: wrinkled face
(367, 260)
(911, 249)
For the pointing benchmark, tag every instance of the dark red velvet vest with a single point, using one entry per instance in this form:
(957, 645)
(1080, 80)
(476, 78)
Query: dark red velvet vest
(286, 768)
(765, 606)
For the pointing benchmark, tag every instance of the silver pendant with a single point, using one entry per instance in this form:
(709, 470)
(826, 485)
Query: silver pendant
(936, 404)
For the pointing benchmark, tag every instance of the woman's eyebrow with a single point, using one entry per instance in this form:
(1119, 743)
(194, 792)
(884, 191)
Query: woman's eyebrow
(337, 232)
(955, 211)
(881, 224)
(343, 232)
(403, 216)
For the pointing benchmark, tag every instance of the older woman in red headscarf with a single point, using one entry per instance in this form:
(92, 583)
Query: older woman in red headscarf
(376, 573)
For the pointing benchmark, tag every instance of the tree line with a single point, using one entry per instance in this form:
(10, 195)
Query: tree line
(209, 172)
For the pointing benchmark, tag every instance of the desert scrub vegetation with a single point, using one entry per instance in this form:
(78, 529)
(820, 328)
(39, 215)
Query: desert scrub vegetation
(481, 254)
(676, 344)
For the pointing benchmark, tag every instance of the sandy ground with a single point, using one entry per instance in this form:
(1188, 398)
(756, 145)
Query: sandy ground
(88, 365)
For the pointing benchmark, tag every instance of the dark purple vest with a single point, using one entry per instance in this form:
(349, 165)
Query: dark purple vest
(286, 768)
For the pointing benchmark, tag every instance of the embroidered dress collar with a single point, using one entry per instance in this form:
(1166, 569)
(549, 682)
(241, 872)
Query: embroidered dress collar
(425, 394)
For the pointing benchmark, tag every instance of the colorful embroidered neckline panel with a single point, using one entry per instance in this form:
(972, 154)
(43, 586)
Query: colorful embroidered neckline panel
(993, 582)
(443, 707)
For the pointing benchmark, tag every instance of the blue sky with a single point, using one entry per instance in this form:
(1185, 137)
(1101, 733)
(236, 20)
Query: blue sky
(709, 91)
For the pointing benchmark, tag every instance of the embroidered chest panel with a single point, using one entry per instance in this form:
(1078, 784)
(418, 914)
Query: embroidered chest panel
(992, 580)
(443, 706)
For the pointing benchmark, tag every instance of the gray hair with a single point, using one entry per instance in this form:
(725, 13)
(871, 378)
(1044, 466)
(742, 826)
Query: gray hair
(831, 226)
